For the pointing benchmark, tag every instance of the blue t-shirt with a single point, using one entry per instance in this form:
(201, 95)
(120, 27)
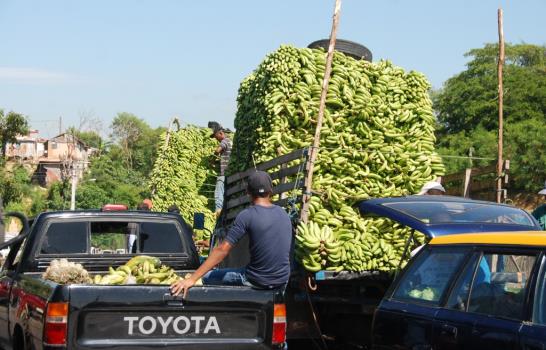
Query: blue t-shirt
(270, 236)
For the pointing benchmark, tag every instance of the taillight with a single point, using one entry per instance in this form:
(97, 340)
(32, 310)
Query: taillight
(279, 324)
(56, 321)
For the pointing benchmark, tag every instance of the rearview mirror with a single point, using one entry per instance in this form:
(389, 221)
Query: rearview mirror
(199, 221)
(12, 224)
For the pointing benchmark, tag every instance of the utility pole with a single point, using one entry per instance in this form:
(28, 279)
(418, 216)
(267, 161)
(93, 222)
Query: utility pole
(316, 141)
(74, 184)
(60, 125)
(501, 96)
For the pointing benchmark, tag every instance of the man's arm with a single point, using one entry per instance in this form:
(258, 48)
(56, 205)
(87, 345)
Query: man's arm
(219, 149)
(217, 255)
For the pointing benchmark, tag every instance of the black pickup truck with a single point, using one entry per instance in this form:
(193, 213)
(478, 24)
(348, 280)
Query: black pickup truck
(39, 314)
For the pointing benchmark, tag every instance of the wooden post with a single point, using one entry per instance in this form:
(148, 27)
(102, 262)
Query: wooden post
(501, 96)
(316, 141)
(466, 185)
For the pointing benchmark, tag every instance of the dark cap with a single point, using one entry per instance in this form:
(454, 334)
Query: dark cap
(215, 127)
(259, 183)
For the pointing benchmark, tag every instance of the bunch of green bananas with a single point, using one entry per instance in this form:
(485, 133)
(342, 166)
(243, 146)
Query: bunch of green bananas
(377, 140)
(185, 175)
(140, 269)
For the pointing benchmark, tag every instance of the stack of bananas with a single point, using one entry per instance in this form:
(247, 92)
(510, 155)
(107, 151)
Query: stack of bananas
(377, 140)
(184, 174)
(317, 247)
(140, 269)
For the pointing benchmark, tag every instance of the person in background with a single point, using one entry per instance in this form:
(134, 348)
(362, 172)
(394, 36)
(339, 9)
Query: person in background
(540, 212)
(432, 188)
(224, 151)
(173, 209)
(270, 239)
(145, 205)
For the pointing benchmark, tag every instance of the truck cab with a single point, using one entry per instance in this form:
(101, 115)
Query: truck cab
(40, 314)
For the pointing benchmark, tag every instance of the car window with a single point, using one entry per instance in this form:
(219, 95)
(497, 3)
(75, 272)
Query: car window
(65, 238)
(112, 237)
(462, 212)
(158, 237)
(458, 300)
(499, 287)
(539, 304)
(429, 276)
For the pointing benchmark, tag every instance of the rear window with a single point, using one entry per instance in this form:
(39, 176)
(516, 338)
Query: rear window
(111, 237)
(65, 238)
(429, 276)
(456, 212)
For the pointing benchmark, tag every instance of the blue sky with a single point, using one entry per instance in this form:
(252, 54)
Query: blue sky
(158, 59)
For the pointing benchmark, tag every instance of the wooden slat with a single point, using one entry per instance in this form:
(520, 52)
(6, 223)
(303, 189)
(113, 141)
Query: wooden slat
(281, 203)
(233, 214)
(284, 202)
(484, 170)
(483, 185)
(241, 187)
(453, 177)
(233, 203)
(268, 165)
(460, 176)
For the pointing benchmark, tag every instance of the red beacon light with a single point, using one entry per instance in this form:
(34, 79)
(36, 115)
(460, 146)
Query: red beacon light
(114, 207)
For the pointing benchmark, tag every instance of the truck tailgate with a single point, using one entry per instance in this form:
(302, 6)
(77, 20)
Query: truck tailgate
(138, 316)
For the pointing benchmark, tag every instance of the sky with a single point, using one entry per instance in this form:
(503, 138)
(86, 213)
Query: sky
(157, 59)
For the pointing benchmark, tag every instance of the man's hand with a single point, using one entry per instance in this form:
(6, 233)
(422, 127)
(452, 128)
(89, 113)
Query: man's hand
(217, 213)
(182, 285)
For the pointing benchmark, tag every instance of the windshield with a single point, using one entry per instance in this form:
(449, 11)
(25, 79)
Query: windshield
(466, 212)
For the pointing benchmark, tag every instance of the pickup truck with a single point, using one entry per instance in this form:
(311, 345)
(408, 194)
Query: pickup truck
(40, 314)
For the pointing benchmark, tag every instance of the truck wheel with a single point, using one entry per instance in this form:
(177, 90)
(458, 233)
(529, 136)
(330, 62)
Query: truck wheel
(350, 48)
(18, 339)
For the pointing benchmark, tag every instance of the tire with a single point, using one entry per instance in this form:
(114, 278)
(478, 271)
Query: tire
(350, 48)
(18, 339)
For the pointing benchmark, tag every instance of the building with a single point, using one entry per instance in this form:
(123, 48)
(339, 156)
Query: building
(63, 154)
(27, 148)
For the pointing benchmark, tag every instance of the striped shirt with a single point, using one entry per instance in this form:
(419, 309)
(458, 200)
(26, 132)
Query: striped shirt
(225, 144)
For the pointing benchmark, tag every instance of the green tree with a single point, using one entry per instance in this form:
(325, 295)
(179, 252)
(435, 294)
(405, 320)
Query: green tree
(90, 138)
(127, 129)
(469, 99)
(467, 110)
(11, 125)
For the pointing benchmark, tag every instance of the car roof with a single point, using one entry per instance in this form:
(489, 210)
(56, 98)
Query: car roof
(380, 207)
(521, 238)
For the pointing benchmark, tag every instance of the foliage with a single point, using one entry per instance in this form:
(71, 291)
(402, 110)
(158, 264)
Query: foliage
(524, 142)
(469, 99)
(90, 138)
(11, 125)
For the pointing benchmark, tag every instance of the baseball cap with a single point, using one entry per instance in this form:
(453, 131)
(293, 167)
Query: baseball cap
(543, 191)
(215, 128)
(259, 182)
(431, 185)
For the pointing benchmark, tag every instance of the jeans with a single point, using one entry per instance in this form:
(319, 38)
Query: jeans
(226, 277)
(219, 192)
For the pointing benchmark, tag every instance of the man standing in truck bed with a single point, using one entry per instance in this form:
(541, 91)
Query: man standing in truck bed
(224, 151)
(270, 239)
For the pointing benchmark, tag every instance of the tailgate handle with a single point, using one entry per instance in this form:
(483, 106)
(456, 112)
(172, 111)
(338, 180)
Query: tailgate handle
(173, 300)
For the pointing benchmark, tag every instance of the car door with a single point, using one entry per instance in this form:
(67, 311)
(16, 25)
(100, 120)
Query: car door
(498, 299)
(404, 319)
(6, 281)
(533, 333)
(452, 328)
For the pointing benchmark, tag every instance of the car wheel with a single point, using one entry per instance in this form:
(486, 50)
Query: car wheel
(350, 48)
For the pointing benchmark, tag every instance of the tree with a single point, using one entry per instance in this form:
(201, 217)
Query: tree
(11, 125)
(467, 110)
(90, 138)
(469, 99)
(127, 129)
